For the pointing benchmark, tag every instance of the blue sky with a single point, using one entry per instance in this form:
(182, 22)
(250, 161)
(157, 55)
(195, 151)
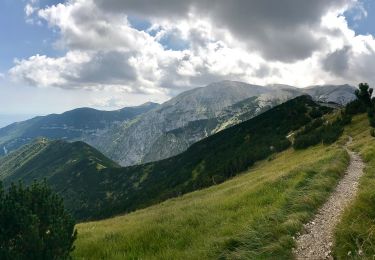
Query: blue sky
(134, 64)
(366, 25)
(20, 39)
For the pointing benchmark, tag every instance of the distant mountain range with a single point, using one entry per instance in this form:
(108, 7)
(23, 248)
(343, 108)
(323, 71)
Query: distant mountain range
(193, 115)
(72, 125)
(95, 187)
(7, 119)
(153, 132)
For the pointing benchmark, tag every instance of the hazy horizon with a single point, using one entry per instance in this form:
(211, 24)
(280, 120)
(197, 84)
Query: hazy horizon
(7, 119)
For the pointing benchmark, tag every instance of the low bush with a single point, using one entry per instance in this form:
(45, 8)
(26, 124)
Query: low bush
(34, 224)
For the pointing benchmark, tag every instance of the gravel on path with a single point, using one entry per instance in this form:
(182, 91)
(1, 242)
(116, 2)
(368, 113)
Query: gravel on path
(316, 242)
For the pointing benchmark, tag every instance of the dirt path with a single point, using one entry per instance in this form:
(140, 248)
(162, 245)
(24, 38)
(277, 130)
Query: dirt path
(317, 242)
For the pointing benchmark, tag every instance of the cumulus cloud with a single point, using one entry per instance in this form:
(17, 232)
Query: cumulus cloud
(192, 43)
(280, 30)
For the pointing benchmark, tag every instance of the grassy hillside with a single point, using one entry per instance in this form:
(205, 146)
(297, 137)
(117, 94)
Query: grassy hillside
(355, 235)
(112, 190)
(252, 216)
(59, 163)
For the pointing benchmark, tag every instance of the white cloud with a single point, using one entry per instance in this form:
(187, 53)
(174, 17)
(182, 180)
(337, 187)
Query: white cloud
(296, 42)
(29, 9)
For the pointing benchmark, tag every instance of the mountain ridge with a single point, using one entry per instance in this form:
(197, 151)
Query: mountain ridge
(168, 129)
(70, 125)
(92, 191)
(141, 142)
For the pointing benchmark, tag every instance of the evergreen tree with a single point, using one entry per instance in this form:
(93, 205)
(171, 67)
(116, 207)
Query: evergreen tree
(364, 101)
(364, 93)
(34, 224)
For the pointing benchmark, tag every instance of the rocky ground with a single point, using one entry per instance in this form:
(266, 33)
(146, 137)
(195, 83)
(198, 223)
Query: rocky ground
(316, 242)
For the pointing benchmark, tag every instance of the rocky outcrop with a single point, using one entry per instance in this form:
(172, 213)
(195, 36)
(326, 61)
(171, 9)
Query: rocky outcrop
(193, 115)
(152, 132)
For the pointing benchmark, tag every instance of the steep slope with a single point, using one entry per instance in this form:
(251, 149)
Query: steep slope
(208, 162)
(169, 129)
(252, 216)
(71, 125)
(60, 163)
(199, 113)
(340, 94)
(317, 241)
(178, 140)
(128, 144)
(355, 236)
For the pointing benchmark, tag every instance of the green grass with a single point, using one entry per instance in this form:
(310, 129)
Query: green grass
(254, 215)
(93, 192)
(355, 235)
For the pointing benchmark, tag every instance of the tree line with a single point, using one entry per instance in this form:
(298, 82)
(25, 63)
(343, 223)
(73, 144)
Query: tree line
(326, 132)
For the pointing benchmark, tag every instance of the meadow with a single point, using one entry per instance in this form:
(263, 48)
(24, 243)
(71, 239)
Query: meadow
(355, 235)
(253, 215)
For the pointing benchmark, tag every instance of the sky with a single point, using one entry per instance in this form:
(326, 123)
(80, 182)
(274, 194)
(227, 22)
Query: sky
(57, 55)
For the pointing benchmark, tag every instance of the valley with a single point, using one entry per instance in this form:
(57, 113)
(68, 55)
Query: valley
(79, 172)
(246, 191)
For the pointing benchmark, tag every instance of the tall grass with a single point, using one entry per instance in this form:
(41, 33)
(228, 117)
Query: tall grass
(271, 236)
(254, 215)
(355, 235)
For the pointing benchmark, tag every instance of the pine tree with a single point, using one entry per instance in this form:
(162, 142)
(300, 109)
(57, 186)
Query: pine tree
(34, 223)
(364, 93)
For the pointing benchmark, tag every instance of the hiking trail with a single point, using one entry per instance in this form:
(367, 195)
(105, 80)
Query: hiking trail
(317, 240)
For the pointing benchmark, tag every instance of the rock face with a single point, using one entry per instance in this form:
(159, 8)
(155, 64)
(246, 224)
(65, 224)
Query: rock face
(196, 114)
(94, 186)
(340, 94)
(152, 132)
(72, 125)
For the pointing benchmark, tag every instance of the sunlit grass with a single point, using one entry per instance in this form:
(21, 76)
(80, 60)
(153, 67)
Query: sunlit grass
(253, 215)
(355, 235)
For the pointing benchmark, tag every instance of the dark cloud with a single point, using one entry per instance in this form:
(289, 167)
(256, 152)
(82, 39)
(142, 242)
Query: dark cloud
(363, 69)
(194, 43)
(280, 30)
(337, 62)
(105, 68)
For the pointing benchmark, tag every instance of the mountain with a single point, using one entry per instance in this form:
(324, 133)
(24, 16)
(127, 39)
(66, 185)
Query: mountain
(96, 187)
(70, 168)
(130, 143)
(158, 132)
(340, 94)
(193, 115)
(176, 141)
(72, 125)
(259, 214)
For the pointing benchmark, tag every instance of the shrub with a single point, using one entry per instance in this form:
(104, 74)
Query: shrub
(372, 132)
(316, 113)
(345, 119)
(34, 224)
(332, 132)
(355, 107)
(315, 132)
(306, 140)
